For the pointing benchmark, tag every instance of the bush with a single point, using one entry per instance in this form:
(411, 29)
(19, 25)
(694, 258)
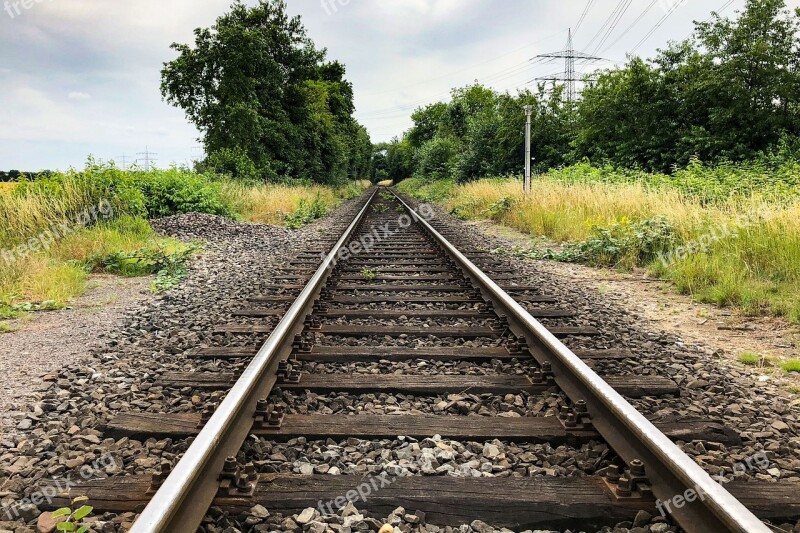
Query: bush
(622, 244)
(234, 163)
(174, 192)
(307, 213)
(437, 159)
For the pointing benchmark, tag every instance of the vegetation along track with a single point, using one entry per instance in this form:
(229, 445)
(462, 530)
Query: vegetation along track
(492, 387)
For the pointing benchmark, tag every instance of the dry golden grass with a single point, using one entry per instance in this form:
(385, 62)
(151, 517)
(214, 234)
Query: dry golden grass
(387, 183)
(758, 270)
(270, 204)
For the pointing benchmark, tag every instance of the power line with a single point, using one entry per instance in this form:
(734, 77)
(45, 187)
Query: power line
(633, 25)
(613, 26)
(583, 16)
(606, 23)
(657, 26)
(124, 158)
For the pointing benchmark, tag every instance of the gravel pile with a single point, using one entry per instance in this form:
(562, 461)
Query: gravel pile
(62, 432)
(434, 456)
(463, 404)
(424, 368)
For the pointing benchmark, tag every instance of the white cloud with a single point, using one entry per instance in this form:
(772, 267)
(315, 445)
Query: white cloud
(398, 54)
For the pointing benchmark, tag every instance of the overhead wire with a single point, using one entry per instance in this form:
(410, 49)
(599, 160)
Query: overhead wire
(613, 26)
(583, 17)
(606, 23)
(633, 25)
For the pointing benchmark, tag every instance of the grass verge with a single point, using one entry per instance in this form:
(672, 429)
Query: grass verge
(740, 250)
(60, 228)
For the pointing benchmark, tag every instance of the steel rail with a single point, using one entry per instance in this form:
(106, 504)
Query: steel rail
(671, 472)
(183, 500)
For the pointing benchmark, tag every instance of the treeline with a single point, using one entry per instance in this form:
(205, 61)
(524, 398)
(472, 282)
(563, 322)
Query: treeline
(731, 92)
(15, 175)
(268, 103)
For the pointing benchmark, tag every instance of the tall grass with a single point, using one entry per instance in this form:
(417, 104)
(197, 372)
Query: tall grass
(757, 270)
(271, 204)
(60, 271)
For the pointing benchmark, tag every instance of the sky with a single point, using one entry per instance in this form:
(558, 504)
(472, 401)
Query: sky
(80, 77)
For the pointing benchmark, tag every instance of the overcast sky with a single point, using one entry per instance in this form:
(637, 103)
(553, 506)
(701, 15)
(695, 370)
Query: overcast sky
(81, 77)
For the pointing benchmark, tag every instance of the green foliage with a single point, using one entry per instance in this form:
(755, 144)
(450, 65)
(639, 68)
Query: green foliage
(435, 191)
(750, 359)
(22, 309)
(380, 208)
(266, 100)
(393, 161)
(436, 159)
(770, 178)
(134, 193)
(173, 192)
(168, 266)
(307, 213)
(236, 163)
(790, 365)
(624, 244)
(369, 274)
(73, 516)
(727, 94)
(477, 135)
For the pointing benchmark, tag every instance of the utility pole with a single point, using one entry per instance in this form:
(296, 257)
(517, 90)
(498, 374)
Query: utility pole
(570, 56)
(149, 161)
(527, 182)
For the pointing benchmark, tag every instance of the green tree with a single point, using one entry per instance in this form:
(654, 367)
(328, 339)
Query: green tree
(257, 88)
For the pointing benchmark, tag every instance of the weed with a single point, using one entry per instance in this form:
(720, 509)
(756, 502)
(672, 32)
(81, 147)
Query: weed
(73, 516)
(168, 266)
(790, 365)
(369, 274)
(380, 208)
(19, 310)
(751, 359)
(306, 213)
(793, 389)
(626, 219)
(5, 327)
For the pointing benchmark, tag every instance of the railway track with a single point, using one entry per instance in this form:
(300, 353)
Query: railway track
(487, 388)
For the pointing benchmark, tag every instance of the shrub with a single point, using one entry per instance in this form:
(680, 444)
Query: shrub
(306, 213)
(437, 158)
(623, 244)
(175, 192)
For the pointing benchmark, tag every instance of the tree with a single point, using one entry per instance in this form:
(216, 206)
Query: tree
(256, 87)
